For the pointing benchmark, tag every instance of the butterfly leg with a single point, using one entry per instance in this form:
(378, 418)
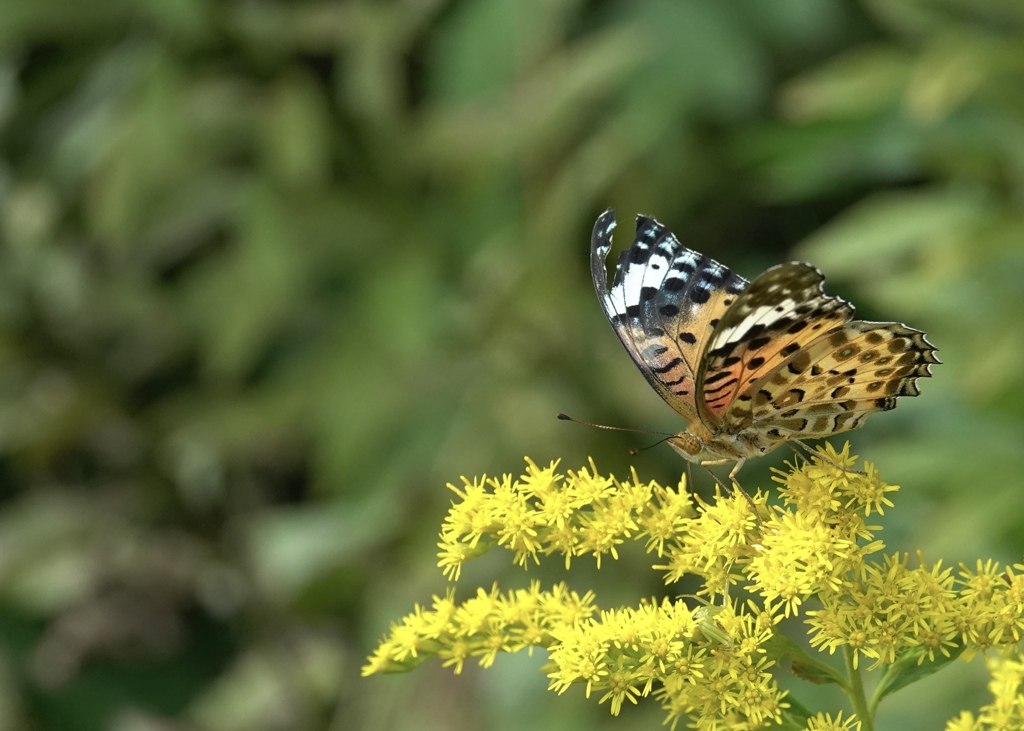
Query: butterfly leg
(732, 472)
(706, 465)
(732, 478)
(823, 458)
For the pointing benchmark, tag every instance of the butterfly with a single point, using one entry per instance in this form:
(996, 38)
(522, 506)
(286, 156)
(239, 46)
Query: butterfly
(749, 365)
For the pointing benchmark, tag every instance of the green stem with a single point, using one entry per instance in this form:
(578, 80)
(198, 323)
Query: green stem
(883, 683)
(855, 689)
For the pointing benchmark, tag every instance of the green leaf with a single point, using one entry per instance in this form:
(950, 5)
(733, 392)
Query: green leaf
(907, 670)
(803, 664)
(796, 716)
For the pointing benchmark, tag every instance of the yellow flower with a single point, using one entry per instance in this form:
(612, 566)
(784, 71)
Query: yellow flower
(964, 722)
(1006, 711)
(715, 542)
(825, 722)
(711, 663)
(800, 555)
(663, 518)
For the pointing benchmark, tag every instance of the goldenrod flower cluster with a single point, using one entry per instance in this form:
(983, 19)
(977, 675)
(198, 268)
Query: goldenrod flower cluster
(480, 627)
(543, 513)
(625, 652)
(825, 722)
(711, 660)
(1006, 711)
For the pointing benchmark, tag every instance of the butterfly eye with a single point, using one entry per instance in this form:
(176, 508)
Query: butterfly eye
(686, 443)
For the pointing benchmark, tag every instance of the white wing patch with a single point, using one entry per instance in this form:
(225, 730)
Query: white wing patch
(763, 315)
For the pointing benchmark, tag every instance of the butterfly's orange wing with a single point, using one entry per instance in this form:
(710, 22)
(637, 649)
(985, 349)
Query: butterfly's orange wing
(787, 360)
(781, 311)
(835, 382)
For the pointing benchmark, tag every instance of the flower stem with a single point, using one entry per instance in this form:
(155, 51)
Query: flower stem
(855, 689)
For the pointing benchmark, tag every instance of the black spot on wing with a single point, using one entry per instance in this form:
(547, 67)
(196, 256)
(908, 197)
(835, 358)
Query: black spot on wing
(674, 363)
(698, 295)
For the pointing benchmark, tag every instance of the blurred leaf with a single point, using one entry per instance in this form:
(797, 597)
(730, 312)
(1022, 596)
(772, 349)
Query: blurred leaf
(273, 687)
(293, 547)
(246, 295)
(43, 567)
(862, 83)
(297, 138)
(887, 226)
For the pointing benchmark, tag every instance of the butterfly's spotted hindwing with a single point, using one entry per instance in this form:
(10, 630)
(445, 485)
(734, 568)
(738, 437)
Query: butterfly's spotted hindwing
(783, 309)
(839, 379)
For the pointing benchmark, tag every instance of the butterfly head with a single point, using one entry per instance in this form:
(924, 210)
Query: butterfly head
(690, 446)
(700, 445)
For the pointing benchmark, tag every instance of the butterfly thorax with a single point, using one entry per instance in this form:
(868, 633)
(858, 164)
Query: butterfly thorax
(700, 444)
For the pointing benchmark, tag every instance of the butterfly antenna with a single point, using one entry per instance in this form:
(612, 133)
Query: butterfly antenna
(632, 452)
(635, 452)
(566, 417)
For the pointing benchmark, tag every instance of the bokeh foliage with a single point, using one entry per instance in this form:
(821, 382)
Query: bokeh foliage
(272, 273)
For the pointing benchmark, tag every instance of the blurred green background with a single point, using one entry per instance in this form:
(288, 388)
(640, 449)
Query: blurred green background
(272, 273)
